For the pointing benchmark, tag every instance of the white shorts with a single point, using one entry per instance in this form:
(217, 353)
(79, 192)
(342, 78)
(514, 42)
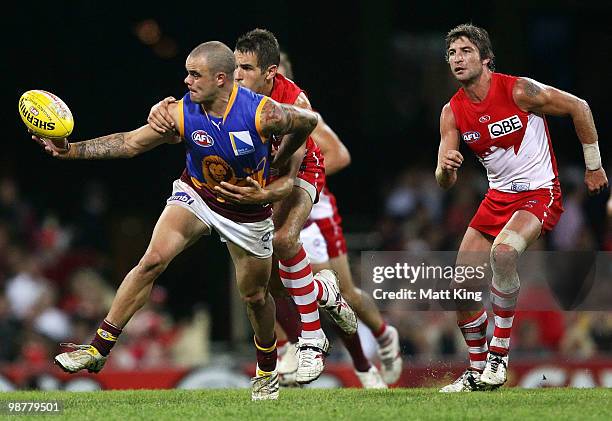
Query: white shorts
(314, 244)
(254, 237)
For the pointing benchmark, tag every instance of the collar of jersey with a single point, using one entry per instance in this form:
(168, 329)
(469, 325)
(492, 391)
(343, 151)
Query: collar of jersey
(228, 107)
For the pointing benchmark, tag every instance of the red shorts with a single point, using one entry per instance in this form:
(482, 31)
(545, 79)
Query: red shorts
(331, 229)
(498, 207)
(311, 175)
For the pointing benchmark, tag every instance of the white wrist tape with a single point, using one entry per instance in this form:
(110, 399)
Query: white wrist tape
(592, 158)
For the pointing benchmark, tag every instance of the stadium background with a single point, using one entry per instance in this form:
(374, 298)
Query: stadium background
(69, 231)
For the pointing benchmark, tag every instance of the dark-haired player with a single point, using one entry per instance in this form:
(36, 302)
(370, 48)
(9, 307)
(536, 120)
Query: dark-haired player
(501, 119)
(324, 241)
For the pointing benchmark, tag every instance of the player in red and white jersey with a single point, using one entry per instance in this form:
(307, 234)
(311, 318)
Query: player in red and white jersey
(501, 119)
(257, 55)
(324, 242)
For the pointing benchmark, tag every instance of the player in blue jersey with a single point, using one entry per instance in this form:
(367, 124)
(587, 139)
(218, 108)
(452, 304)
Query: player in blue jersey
(308, 291)
(226, 129)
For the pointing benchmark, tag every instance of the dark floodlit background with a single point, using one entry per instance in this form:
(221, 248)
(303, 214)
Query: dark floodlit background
(374, 70)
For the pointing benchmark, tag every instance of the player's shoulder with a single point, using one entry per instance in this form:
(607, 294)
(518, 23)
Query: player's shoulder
(523, 82)
(446, 108)
(302, 101)
(284, 80)
(285, 90)
(504, 77)
(507, 82)
(447, 115)
(453, 105)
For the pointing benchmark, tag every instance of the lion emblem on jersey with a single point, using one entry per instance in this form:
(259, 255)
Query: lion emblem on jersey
(216, 170)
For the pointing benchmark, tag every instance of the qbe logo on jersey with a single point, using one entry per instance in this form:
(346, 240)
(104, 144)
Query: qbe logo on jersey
(506, 126)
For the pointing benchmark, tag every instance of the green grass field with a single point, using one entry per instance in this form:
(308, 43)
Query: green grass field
(329, 404)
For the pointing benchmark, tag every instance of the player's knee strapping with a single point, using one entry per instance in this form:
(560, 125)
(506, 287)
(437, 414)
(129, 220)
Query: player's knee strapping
(506, 249)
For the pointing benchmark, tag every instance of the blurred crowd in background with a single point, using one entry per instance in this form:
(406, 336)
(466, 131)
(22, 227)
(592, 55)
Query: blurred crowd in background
(57, 279)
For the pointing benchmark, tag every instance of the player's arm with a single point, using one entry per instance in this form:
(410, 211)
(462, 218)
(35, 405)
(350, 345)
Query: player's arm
(295, 123)
(535, 97)
(253, 193)
(336, 154)
(449, 157)
(116, 145)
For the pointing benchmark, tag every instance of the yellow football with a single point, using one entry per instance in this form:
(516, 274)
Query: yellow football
(45, 114)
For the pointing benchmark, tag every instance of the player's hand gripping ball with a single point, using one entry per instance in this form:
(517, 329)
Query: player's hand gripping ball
(45, 115)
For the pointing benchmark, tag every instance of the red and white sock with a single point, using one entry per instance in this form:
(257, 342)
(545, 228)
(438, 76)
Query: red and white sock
(504, 304)
(296, 275)
(474, 332)
(322, 292)
(383, 336)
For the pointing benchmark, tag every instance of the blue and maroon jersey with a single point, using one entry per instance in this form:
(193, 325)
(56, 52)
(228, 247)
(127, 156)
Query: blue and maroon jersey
(228, 148)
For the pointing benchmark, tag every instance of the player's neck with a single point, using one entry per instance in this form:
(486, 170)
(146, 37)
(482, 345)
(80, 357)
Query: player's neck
(217, 106)
(477, 89)
(267, 90)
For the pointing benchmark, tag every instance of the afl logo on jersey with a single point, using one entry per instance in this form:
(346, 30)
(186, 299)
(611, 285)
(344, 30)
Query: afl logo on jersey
(470, 137)
(484, 118)
(202, 138)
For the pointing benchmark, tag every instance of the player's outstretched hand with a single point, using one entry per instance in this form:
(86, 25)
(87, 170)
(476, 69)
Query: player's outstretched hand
(54, 147)
(596, 181)
(451, 161)
(159, 117)
(252, 194)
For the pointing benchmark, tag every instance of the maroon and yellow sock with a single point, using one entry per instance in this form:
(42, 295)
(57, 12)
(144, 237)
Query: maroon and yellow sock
(106, 337)
(266, 355)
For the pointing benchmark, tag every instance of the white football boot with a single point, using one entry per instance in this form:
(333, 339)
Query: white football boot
(335, 306)
(84, 357)
(495, 371)
(264, 386)
(311, 359)
(287, 366)
(469, 381)
(391, 358)
(371, 379)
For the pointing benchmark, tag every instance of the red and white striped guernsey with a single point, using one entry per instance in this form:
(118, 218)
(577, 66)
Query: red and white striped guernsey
(513, 145)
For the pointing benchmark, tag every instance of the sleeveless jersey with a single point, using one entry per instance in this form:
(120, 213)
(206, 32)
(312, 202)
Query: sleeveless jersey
(513, 145)
(226, 149)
